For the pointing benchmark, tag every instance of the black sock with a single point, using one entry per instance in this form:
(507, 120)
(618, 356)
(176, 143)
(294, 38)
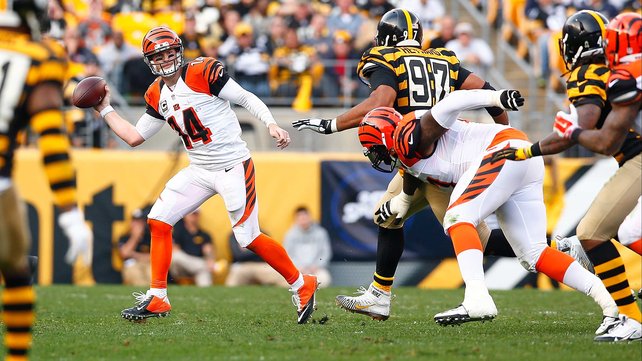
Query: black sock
(389, 249)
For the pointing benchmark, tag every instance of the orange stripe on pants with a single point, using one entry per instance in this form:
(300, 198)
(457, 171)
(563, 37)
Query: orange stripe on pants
(250, 191)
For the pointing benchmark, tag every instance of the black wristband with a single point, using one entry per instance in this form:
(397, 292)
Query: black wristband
(536, 151)
(575, 135)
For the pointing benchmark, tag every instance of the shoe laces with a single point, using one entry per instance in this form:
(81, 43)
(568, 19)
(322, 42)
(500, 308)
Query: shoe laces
(361, 290)
(140, 297)
(607, 324)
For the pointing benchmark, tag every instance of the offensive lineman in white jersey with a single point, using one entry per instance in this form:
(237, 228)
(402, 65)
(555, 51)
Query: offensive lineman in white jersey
(194, 99)
(433, 146)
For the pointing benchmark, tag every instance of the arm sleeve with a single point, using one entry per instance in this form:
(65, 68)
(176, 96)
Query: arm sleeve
(152, 112)
(492, 111)
(233, 92)
(446, 111)
(55, 150)
(383, 76)
(148, 125)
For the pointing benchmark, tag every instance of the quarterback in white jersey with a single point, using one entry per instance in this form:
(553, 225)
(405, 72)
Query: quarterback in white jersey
(434, 146)
(194, 99)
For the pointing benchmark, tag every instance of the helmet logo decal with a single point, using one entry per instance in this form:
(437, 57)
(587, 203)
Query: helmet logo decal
(161, 45)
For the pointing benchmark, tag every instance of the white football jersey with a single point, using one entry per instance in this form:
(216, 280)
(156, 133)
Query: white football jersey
(455, 152)
(208, 127)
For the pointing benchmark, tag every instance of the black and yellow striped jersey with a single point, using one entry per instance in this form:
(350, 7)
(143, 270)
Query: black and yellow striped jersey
(25, 64)
(586, 84)
(423, 77)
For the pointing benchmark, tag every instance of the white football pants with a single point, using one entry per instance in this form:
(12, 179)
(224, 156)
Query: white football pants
(512, 189)
(193, 185)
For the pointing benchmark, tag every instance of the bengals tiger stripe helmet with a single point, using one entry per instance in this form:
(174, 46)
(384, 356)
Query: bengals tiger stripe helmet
(399, 27)
(157, 41)
(375, 135)
(624, 39)
(582, 39)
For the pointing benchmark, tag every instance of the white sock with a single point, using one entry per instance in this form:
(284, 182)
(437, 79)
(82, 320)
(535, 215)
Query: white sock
(471, 265)
(158, 292)
(577, 277)
(298, 283)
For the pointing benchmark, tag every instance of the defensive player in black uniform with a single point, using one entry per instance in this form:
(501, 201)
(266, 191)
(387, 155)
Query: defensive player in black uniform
(31, 77)
(581, 47)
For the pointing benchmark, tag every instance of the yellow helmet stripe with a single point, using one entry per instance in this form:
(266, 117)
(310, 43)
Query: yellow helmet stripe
(599, 21)
(410, 34)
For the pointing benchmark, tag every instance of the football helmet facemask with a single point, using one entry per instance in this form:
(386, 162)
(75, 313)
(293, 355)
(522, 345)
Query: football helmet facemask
(163, 51)
(623, 40)
(375, 135)
(399, 27)
(583, 39)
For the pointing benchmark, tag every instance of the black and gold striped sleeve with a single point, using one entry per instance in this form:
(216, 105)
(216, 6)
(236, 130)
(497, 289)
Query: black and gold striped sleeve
(587, 85)
(380, 57)
(48, 123)
(55, 148)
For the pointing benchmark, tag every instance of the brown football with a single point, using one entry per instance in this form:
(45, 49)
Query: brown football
(89, 92)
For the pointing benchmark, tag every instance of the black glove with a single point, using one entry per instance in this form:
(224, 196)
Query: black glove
(511, 99)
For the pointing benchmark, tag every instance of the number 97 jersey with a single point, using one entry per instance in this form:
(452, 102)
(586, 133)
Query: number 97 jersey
(422, 77)
(208, 127)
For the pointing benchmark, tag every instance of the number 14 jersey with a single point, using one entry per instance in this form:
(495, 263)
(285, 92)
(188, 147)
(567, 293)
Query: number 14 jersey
(422, 77)
(208, 127)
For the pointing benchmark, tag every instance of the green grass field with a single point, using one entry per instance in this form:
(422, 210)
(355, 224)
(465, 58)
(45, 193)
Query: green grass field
(259, 323)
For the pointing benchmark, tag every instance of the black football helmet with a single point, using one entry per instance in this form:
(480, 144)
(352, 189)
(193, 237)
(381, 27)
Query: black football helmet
(399, 27)
(583, 38)
(29, 14)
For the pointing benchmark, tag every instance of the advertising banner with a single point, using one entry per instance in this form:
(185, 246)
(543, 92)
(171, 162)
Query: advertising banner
(349, 193)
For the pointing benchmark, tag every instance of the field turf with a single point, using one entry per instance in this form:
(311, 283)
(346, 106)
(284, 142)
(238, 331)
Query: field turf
(259, 323)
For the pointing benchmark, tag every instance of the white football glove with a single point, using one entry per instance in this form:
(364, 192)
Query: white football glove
(566, 123)
(73, 225)
(397, 206)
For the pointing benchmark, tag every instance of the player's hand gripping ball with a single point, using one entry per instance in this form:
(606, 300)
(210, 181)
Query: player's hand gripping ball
(89, 92)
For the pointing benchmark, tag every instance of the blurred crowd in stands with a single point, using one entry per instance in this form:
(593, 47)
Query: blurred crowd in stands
(539, 23)
(288, 52)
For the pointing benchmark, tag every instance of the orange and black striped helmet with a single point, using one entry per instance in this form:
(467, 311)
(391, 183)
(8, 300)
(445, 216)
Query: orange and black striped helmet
(624, 39)
(157, 41)
(375, 135)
